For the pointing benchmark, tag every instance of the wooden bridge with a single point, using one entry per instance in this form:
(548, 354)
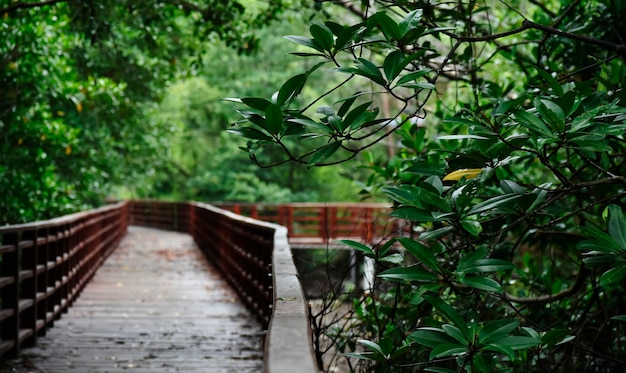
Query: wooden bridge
(208, 290)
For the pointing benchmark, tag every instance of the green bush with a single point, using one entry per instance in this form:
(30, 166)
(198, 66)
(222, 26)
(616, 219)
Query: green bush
(510, 122)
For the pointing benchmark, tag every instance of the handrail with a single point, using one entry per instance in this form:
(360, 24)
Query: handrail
(46, 264)
(322, 223)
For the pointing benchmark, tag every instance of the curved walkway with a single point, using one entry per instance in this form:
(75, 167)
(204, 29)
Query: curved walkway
(155, 305)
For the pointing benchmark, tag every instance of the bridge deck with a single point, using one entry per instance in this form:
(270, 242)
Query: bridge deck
(156, 305)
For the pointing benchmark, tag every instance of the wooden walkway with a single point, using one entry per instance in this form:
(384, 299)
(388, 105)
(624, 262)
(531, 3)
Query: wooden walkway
(156, 305)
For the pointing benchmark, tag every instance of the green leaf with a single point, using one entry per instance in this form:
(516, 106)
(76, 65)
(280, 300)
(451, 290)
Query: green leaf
(427, 169)
(408, 274)
(493, 203)
(414, 214)
(485, 265)
(273, 119)
(307, 42)
(495, 329)
(551, 113)
(371, 345)
(436, 233)
(439, 370)
(256, 103)
(455, 333)
(359, 247)
(418, 85)
(462, 137)
(617, 225)
(323, 153)
(410, 21)
(533, 123)
(613, 275)
(291, 88)
(473, 227)
(554, 84)
(483, 283)
(619, 318)
(517, 342)
(447, 349)
(347, 104)
(360, 115)
(394, 64)
(387, 25)
(250, 133)
(421, 253)
(510, 187)
(430, 337)
(322, 35)
(411, 77)
(366, 69)
(505, 350)
(313, 124)
(555, 337)
(449, 313)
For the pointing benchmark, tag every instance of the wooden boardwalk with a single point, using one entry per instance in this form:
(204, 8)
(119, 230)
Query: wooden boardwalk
(156, 305)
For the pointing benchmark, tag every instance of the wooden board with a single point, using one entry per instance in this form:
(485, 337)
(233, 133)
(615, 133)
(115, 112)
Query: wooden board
(156, 305)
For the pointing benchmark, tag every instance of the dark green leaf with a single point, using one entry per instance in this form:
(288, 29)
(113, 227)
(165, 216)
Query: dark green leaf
(517, 342)
(256, 103)
(533, 123)
(359, 247)
(447, 349)
(427, 169)
(495, 329)
(408, 274)
(613, 275)
(394, 64)
(486, 265)
(322, 35)
(274, 119)
(473, 227)
(323, 153)
(617, 225)
(430, 337)
(421, 253)
(455, 333)
(307, 42)
(493, 203)
(449, 313)
(483, 283)
(291, 88)
(414, 214)
(250, 133)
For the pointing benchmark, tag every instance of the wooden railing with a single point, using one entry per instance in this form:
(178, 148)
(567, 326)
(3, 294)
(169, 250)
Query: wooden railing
(45, 265)
(322, 223)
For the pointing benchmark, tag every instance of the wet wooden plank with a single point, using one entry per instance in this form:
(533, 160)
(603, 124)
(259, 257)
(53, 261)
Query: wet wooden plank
(156, 305)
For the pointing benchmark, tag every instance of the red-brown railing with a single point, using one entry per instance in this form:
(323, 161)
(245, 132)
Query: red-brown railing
(45, 265)
(321, 223)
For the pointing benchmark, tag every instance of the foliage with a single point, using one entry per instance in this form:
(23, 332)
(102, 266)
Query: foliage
(511, 132)
(80, 86)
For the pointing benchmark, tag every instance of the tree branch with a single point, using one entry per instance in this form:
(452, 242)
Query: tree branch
(619, 48)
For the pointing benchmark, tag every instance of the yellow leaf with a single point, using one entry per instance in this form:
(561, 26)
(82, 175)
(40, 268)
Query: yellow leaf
(79, 106)
(468, 173)
(20, 141)
(60, 113)
(68, 150)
